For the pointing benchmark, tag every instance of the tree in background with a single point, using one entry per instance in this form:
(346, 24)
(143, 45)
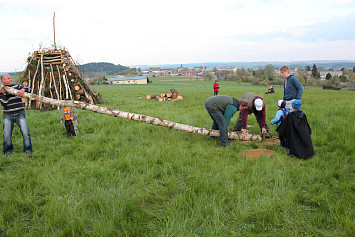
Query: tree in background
(315, 71)
(354, 69)
(346, 72)
(343, 78)
(302, 76)
(328, 76)
(208, 76)
(259, 74)
(308, 68)
(334, 81)
(227, 75)
(269, 72)
(139, 72)
(352, 78)
(242, 74)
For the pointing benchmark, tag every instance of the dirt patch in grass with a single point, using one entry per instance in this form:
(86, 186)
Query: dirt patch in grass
(271, 141)
(256, 153)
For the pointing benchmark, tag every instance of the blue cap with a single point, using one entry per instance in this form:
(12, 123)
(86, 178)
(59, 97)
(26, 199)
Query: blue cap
(297, 104)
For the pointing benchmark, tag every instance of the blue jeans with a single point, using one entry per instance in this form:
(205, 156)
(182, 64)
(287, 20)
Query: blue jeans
(219, 123)
(8, 125)
(215, 93)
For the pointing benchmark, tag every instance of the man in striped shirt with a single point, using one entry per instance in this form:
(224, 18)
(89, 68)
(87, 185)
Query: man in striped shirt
(14, 112)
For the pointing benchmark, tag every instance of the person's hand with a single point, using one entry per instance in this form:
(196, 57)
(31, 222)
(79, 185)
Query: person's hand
(263, 131)
(2, 92)
(21, 92)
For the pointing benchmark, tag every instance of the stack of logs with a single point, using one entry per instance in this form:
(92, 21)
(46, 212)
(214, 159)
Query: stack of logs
(172, 96)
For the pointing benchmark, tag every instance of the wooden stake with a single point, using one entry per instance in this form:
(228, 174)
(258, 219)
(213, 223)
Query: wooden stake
(55, 86)
(42, 80)
(55, 45)
(66, 79)
(60, 83)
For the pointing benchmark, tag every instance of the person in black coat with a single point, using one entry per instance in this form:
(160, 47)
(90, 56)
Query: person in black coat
(297, 132)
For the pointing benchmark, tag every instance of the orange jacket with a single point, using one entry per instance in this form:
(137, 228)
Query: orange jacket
(67, 115)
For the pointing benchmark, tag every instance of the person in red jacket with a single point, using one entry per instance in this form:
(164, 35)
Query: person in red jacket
(216, 87)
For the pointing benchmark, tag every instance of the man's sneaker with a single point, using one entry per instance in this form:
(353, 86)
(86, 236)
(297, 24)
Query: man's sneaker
(225, 146)
(267, 135)
(7, 154)
(28, 153)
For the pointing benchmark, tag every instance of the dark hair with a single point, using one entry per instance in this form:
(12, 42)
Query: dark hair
(243, 103)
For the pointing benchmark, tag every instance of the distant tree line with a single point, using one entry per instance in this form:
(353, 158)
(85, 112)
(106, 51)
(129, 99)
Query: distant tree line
(105, 68)
(308, 76)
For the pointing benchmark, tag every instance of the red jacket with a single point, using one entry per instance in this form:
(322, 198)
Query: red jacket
(216, 86)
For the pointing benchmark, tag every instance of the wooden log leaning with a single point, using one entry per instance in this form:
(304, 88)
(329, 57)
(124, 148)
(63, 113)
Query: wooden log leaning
(173, 91)
(151, 96)
(133, 116)
(176, 95)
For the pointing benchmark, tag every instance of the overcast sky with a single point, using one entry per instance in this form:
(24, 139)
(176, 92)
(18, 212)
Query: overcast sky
(132, 32)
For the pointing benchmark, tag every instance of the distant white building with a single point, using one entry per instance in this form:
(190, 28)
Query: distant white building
(323, 74)
(129, 80)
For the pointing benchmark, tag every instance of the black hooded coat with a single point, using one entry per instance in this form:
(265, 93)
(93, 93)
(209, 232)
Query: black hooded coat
(297, 132)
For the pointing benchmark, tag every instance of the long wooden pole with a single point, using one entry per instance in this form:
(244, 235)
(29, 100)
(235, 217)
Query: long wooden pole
(55, 44)
(133, 116)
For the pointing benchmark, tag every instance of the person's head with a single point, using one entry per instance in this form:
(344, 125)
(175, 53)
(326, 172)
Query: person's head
(236, 102)
(285, 71)
(258, 104)
(281, 104)
(243, 104)
(6, 79)
(65, 104)
(216, 81)
(296, 105)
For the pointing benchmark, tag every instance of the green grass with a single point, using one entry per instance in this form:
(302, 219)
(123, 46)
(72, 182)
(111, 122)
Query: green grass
(127, 178)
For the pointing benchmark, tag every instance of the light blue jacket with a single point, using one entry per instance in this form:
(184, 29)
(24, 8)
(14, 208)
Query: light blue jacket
(278, 117)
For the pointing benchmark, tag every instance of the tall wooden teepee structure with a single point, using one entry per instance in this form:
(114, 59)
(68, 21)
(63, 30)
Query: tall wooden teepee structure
(53, 73)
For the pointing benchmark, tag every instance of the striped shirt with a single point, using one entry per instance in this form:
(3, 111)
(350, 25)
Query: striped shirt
(13, 103)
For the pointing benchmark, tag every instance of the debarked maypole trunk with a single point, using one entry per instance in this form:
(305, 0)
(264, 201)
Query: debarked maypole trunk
(133, 116)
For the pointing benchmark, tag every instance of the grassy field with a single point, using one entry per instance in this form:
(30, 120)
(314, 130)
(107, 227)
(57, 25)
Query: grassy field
(127, 178)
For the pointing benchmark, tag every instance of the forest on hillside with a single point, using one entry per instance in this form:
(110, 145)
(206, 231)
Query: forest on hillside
(106, 68)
